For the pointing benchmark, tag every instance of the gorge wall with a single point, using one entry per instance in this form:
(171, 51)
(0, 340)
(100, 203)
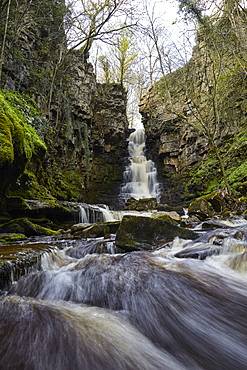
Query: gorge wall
(82, 124)
(193, 109)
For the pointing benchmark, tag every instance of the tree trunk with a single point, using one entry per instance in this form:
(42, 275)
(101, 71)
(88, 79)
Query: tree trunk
(4, 40)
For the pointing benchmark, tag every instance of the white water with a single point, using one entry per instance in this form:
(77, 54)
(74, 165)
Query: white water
(140, 176)
(87, 308)
(91, 213)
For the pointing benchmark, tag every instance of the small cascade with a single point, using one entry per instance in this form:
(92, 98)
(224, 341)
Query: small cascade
(140, 176)
(91, 213)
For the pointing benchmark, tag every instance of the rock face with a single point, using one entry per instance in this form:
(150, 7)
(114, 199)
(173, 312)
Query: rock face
(83, 124)
(173, 110)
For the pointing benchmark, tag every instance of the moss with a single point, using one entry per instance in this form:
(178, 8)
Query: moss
(27, 186)
(10, 238)
(166, 218)
(26, 227)
(6, 144)
(16, 135)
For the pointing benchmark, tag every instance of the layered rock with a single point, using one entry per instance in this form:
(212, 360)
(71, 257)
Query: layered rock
(83, 124)
(172, 110)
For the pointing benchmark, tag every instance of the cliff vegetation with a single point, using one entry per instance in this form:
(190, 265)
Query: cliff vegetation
(196, 118)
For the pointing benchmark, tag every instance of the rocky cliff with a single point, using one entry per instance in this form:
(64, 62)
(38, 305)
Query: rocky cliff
(193, 112)
(82, 124)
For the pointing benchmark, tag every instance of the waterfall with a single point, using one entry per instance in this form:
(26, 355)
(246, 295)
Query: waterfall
(91, 213)
(140, 176)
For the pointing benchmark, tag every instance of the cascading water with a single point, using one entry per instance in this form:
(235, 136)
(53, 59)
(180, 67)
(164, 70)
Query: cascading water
(140, 176)
(151, 311)
(91, 213)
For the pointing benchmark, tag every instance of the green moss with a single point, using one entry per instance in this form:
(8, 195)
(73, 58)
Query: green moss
(26, 227)
(27, 186)
(6, 144)
(10, 238)
(238, 173)
(16, 134)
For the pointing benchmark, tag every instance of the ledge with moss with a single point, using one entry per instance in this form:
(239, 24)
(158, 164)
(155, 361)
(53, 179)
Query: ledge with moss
(19, 142)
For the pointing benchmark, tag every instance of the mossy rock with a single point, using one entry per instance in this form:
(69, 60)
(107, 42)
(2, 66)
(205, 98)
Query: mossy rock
(100, 229)
(26, 227)
(16, 205)
(11, 237)
(201, 208)
(172, 217)
(219, 203)
(19, 142)
(146, 233)
(141, 204)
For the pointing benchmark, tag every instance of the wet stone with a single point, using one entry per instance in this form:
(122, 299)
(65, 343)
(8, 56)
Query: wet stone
(146, 233)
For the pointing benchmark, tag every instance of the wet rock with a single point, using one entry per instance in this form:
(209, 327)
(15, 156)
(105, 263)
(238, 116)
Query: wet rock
(95, 230)
(146, 233)
(26, 227)
(79, 227)
(201, 208)
(141, 204)
(199, 252)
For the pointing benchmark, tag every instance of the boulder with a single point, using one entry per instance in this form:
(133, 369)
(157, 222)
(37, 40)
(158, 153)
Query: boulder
(220, 203)
(141, 204)
(26, 227)
(162, 214)
(147, 233)
(201, 208)
(198, 252)
(95, 230)
(78, 228)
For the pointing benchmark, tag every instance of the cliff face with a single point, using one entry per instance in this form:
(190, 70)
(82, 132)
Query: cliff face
(84, 125)
(190, 110)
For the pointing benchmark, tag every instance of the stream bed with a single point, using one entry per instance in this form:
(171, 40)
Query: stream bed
(83, 306)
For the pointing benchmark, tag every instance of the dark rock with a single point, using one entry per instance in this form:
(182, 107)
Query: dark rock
(146, 233)
(198, 252)
(201, 208)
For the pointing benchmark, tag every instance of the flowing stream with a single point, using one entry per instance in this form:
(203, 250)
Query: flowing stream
(182, 306)
(140, 176)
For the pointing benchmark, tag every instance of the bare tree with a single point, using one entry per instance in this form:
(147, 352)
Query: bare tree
(5, 3)
(89, 21)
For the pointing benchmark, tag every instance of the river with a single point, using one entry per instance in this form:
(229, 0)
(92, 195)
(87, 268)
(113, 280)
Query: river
(182, 306)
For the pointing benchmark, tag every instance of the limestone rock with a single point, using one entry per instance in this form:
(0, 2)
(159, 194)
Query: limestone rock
(146, 233)
(141, 204)
(163, 214)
